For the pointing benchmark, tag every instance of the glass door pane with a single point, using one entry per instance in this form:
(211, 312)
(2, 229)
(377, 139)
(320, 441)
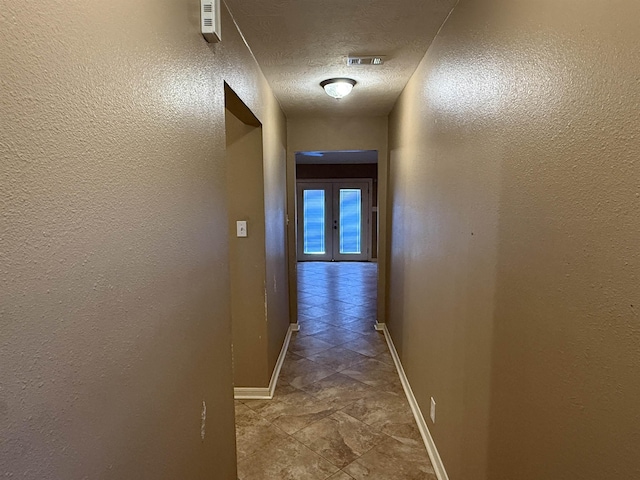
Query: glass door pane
(314, 222)
(350, 221)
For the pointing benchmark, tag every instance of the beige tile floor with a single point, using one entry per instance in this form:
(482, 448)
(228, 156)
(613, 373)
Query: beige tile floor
(339, 411)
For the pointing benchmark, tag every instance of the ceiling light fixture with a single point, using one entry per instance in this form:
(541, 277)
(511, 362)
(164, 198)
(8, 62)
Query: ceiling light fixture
(338, 87)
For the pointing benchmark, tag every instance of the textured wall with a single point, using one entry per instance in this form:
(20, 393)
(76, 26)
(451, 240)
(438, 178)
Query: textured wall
(114, 308)
(247, 265)
(275, 205)
(338, 133)
(258, 263)
(515, 185)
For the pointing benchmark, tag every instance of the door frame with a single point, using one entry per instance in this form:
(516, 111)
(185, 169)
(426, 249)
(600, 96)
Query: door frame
(368, 214)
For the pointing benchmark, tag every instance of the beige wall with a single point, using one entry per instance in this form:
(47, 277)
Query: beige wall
(277, 262)
(258, 263)
(114, 299)
(338, 133)
(514, 255)
(247, 265)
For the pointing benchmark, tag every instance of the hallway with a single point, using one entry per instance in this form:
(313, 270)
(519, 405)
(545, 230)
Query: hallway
(339, 411)
(503, 214)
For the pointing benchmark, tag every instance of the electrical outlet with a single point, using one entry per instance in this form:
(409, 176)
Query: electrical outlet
(432, 412)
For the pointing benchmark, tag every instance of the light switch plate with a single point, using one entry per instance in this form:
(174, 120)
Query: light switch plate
(241, 228)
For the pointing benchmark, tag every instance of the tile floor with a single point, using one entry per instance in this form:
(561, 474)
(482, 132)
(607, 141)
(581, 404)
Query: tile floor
(339, 411)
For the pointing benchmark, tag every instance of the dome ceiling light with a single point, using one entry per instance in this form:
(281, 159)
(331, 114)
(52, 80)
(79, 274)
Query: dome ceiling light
(338, 87)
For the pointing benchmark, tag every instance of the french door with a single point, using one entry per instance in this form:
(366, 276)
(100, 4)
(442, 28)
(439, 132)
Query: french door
(334, 220)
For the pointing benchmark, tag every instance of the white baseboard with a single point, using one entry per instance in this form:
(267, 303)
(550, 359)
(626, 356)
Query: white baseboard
(436, 461)
(266, 393)
(252, 393)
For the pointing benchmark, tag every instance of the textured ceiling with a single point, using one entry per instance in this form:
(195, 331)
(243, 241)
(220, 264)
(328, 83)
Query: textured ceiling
(299, 43)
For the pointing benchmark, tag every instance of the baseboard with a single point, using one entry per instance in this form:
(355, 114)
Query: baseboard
(251, 393)
(266, 393)
(436, 461)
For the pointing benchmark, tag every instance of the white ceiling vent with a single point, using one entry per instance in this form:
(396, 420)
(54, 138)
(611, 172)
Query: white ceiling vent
(365, 60)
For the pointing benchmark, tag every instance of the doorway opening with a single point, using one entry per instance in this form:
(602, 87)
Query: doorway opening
(247, 258)
(337, 239)
(337, 213)
(334, 219)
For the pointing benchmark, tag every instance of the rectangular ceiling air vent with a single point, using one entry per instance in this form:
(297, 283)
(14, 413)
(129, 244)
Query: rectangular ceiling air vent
(365, 60)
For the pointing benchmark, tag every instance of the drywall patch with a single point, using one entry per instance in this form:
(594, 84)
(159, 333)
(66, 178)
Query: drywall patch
(203, 425)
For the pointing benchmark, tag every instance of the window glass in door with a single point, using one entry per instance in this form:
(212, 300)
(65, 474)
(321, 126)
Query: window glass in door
(314, 215)
(350, 227)
(333, 220)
